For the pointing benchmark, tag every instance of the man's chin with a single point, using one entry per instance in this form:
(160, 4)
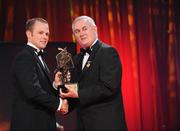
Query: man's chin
(84, 44)
(43, 46)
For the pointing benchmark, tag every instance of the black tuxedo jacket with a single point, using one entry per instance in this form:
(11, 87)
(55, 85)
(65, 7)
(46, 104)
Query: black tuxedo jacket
(36, 101)
(100, 104)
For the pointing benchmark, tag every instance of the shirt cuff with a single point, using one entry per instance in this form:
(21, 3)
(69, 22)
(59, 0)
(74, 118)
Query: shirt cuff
(54, 86)
(60, 104)
(77, 86)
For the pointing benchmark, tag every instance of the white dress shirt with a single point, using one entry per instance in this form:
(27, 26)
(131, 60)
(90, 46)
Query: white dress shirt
(86, 56)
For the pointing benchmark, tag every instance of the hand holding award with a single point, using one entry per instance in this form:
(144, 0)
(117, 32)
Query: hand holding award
(64, 65)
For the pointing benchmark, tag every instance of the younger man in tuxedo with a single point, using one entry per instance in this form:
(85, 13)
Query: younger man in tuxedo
(36, 101)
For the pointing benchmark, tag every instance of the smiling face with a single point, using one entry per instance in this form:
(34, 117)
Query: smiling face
(85, 32)
(38, 34)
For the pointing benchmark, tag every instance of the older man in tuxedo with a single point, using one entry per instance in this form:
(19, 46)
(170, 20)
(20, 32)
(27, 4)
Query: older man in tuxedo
(97, 93)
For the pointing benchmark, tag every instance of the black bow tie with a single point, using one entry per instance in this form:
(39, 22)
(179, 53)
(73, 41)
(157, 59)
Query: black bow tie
(40, 53)
(87, 50)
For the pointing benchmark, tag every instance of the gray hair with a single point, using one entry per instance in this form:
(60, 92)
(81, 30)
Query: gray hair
(87, 18)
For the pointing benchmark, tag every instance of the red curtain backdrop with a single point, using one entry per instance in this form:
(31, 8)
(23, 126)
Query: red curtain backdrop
(146, 34)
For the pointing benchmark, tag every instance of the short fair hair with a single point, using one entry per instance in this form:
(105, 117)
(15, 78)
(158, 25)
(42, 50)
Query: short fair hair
(30, 22)
(87, 18)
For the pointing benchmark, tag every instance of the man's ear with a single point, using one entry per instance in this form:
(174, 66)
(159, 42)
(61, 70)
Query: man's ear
(95, 28)
(28, 33)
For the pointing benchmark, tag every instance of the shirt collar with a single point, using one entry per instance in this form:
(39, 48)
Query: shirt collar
(32, 45)
(93, 43)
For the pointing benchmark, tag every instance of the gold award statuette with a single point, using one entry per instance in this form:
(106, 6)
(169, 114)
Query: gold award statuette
(64, 65)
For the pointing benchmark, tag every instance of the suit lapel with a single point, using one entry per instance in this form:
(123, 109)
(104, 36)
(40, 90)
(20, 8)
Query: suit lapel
(89, 62)
(79, 65)
(46, 71)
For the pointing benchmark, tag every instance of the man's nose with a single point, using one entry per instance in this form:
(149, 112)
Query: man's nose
(45, 36)
(81, 33)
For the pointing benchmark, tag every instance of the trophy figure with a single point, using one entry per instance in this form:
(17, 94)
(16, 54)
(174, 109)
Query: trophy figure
(64, 65)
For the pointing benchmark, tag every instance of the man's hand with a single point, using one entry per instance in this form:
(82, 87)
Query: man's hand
(71, 93)
(57, 79)
(65, 107)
